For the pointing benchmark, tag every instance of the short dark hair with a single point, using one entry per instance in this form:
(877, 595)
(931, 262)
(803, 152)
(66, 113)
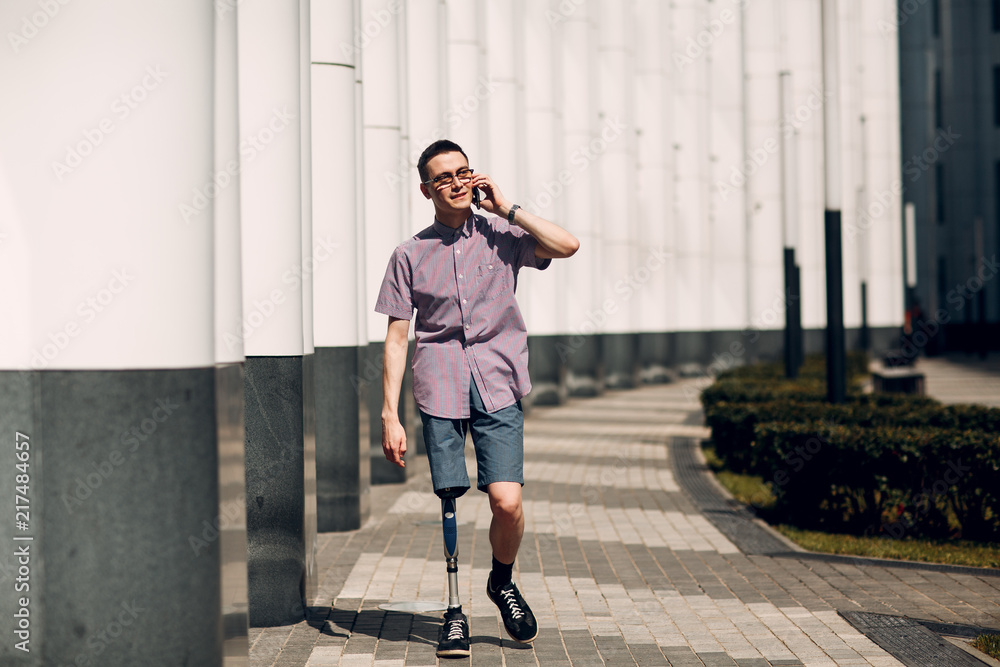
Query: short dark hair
(438, 147)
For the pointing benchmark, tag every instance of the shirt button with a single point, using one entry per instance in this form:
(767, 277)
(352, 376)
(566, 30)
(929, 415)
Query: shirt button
(465, 301)
(460, 275)
(458, 252)
(490, 267)
(466, 326)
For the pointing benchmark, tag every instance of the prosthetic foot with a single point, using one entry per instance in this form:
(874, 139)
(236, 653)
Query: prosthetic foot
(453, 641)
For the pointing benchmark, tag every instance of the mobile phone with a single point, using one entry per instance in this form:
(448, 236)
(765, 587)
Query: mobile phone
(476, 197)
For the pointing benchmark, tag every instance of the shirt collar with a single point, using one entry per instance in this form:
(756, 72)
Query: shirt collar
(446, 232)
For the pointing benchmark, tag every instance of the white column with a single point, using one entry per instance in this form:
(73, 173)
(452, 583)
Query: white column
(613, 150)
(540, 295)
(340, 311)
(383, 148)
(883, 208)
(92, 287)
(691, 127)
(653, 202)
(226, 203)
(575, 174)
(428, 72)
(309, 256)
(804, 50)
(470, 92)
(270, 119)
(729, 233)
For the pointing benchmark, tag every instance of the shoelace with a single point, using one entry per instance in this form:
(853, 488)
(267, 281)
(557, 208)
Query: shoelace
(455, 629)
(515, 609)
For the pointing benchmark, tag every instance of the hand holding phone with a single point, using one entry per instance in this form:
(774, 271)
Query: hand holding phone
(476, 197)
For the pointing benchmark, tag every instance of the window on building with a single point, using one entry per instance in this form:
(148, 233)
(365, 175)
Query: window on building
(938, 112)
(936, 18)
(996, 95)
(939, 191)
(942, 282)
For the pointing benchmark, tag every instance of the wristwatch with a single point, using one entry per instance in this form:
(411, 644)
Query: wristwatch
(510, 214)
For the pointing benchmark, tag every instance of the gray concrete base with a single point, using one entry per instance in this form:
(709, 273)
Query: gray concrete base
(275, 473)
(654, 357)
(232, 511)
(123, 567)
(343, 465)
(546, 372)
(619, 352)
(309, 470)
(581, 355)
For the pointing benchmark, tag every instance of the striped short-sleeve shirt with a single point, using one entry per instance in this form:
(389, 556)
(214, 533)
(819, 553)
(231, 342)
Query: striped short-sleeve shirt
(461, 284)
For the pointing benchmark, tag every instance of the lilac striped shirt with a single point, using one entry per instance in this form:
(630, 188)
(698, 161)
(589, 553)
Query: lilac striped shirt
(461, 283)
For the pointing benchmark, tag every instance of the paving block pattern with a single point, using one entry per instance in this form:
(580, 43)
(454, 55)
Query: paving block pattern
(619, 564)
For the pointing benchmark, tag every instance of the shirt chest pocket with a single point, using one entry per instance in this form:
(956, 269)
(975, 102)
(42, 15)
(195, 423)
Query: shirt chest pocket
(491, 279)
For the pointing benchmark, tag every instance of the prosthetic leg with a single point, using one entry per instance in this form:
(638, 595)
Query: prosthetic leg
(454, 638)
(450, 525)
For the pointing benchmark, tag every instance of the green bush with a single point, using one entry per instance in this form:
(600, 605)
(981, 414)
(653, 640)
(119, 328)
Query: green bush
(918, 482)
(732, 424)
(883, 460)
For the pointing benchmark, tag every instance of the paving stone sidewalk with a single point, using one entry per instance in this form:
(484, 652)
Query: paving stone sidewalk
(618, 563)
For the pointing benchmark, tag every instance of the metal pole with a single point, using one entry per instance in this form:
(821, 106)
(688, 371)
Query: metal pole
(836, 362)
(789, 227)
(864, 338)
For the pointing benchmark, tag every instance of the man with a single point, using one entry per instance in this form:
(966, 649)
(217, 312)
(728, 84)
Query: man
(470, 368)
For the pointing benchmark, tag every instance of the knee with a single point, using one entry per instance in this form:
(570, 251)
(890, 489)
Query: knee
(506, 507)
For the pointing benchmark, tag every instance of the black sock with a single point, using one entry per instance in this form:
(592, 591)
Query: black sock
(500, 576)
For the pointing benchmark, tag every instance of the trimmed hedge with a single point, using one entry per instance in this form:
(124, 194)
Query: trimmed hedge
(889, 464)
(926, 482)
(733, 424)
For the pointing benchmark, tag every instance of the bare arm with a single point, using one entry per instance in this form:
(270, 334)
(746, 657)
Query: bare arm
(393, 366)
(554, 242)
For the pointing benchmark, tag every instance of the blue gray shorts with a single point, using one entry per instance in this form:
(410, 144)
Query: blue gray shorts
(498, 438)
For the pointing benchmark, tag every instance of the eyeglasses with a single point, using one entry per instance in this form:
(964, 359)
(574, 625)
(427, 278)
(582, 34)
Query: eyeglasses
(442, 181)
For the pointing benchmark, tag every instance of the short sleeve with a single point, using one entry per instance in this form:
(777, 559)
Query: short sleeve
(395, 297)
(524, 251)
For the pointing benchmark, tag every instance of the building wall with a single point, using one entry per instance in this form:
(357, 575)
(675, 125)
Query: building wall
(949, 51)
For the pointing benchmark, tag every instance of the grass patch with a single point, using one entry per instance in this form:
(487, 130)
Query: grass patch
(748, 489)
(988, 644)
(753, 491)
(949, 552)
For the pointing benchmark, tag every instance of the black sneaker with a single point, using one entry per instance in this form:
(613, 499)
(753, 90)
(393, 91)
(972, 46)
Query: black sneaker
(453, 639)
(517, 617)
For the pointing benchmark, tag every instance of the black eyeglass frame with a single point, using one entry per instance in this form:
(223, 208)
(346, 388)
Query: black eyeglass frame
(441, 181)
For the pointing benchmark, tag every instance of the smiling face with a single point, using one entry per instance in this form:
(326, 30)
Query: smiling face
(455, 196)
